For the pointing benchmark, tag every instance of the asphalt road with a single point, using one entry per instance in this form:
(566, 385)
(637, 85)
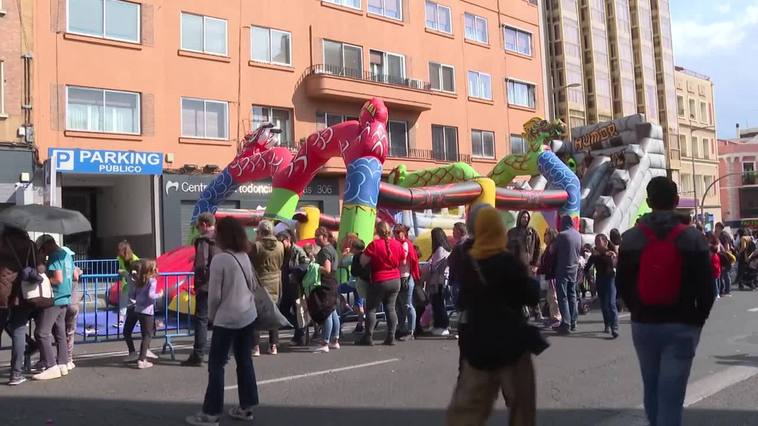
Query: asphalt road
(582, 379)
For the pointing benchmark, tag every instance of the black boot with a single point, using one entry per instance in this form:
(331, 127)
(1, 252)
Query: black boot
(192, 361)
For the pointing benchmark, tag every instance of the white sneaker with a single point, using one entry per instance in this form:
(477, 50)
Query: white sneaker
(64, 369)
(131, 357)
(334, 346)
(144, 364)
(322, 349)
(51, 373)
(70, 365)
(441, 332)
(151, 355)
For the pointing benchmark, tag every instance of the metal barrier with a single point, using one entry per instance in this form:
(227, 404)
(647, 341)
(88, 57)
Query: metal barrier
(100, 320)
(98, 266)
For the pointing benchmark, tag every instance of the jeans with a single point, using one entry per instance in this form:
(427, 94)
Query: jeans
(52, 324)
(19, 317)
(72, 312)
(384, 292)
(565, 288)
(402, 296)
(716, 287)
(726, 281)
(241, 340)
(147, 328)
(4, 321)
(200, 323)
(332, 327)
(409, 325)
(606, 290)
(665, 352)
(439, 310)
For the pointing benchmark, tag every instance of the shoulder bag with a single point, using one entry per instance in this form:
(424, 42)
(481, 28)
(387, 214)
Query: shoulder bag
(36, 289)
(269, 317)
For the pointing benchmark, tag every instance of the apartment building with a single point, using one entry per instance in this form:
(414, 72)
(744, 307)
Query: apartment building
(699, 152)
(16, 134)
(181, 82)
(738, 185)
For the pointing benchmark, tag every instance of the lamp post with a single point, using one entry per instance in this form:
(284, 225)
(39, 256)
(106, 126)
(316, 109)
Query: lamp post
(702, 201)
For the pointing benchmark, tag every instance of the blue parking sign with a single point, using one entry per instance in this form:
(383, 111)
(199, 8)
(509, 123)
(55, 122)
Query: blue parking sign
(97, 161)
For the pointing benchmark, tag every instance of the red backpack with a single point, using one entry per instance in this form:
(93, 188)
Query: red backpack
(660, 277)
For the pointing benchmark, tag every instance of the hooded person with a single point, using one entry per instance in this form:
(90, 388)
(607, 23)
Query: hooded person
(267, 256)
(494, 353)
(524, 242)
(568, 251)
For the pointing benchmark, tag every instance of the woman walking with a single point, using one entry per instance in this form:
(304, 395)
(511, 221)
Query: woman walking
(547, 269)
(436, 281)
(384, 255)
(604, 261)
(409, 273)
(231, 310)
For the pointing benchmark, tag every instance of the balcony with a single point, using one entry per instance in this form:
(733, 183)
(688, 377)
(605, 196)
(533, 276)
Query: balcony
(427, 155)
(346, 84)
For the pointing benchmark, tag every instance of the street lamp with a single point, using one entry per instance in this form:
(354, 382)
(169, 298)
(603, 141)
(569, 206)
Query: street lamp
(702, 201)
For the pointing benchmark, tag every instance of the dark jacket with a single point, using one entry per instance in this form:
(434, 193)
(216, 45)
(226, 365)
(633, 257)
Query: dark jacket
(491, 336)
(205, 249)
(455, 261)
(547, 262)
(603, 264)
(294, 258)
(568, 247)
(361, 271)
(696, 297)
(17, 251)
(524, 242)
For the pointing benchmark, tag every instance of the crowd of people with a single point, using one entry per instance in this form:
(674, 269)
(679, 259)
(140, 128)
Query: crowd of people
(664, 271)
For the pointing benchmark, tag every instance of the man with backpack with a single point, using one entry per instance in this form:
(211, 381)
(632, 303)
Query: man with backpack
(205, 249)
(664, 276)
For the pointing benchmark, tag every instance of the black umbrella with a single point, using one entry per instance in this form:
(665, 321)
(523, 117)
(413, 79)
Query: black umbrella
(39, 218)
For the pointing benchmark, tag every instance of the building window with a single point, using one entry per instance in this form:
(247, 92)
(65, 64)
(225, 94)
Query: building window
(111, 19)
(438, 17)
(442, 77)
(683, 146)
(343, 59)
(387, 67)
(518, 145)
(203, 34)
(387, 8)
(693, 109)
(686, 179)
(2, 88)
(703, 113)
(326, 119)
(695, 147)
(680, 106)
(271, 46)
(476, 28)
(710, 114)
(99, 110)
(280, 118)
(521, 94)
(355, 4)
(748, 173)
(518, 41)
(483, 143)
(398, 136)
(444, 143)
(708, 181)
(706, 148)
(205, 119)
(479, 85)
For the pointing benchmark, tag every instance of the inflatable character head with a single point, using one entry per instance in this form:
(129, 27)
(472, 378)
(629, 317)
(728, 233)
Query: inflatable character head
(260, 139)
(538, 131)
(373, 110)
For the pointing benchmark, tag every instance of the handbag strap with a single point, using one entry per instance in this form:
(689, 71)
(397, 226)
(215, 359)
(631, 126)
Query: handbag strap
(247, 280)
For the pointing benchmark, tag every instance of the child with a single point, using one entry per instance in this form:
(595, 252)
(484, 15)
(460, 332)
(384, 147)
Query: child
(362, 276)
(715, 264)
(144, 293)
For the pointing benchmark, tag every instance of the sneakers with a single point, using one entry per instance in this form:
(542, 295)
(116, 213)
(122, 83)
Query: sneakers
(151, 355)
(16, 380)
(573, 327)
(390, 341)
(441, 332)
(133, 356)
(334, 346)
(70, 365)
(240, 413)
(614, 334)
(606, 330)
(256, 351)
(322, 349)
(562, 329)
(119, 324)
(365, 341)
(192, 361)
(144, 364)
(202, 419)
(273, 350)
(64, 369)
(51, 373)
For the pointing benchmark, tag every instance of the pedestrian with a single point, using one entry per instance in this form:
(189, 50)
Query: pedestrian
(267, 257)
(435, 280)
(547, 270)
(604, 262)
(294, 258)
(745, 249)
(568, 246)
(205, 249)
(361, 275)
(727, 258)
(346, 280)
(231, 310)
(664, 275)
(494, 353)
(17, 254)
(524, 242)
(125, 256)
(327, 260)
(384, 255)
(51, 323)
(72, 313)
(144, 293)
(462, 243)
(715, 248)
(409, 273)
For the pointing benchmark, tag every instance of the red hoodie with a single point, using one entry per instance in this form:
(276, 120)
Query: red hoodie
(715, 265)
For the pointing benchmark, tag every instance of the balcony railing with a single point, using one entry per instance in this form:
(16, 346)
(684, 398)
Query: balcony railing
(429, 155)
(368, 76)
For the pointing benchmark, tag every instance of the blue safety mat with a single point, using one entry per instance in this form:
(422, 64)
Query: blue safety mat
(103, 323)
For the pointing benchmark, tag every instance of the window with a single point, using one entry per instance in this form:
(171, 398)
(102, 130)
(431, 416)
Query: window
(280, 118)
(483, 143)
(438, 17)
(205, 119)
(112, 19)
(398, 135)
(683, 146)
(680, 106)
(710, 114)
(98, 110)
(518, 41)
(521, 94)
(695, 147)
(444, 143)
(325, 119)
(476, 28)
(355, 4)
(343, 59)
(693, 109)
(708, 181)
(748, 173)
(703, 113)
(442, 77)
(479, 85)
(270, 45)
(387, 67)
(203, 34)
(706, 148)
(387, 8)
(686, 183)
(518, 145)
(2, 88)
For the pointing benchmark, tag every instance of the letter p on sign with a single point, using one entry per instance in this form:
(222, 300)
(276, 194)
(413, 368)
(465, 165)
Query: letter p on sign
(64, 160)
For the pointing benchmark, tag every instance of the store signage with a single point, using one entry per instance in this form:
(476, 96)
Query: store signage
(96, 161)
(255, 188)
